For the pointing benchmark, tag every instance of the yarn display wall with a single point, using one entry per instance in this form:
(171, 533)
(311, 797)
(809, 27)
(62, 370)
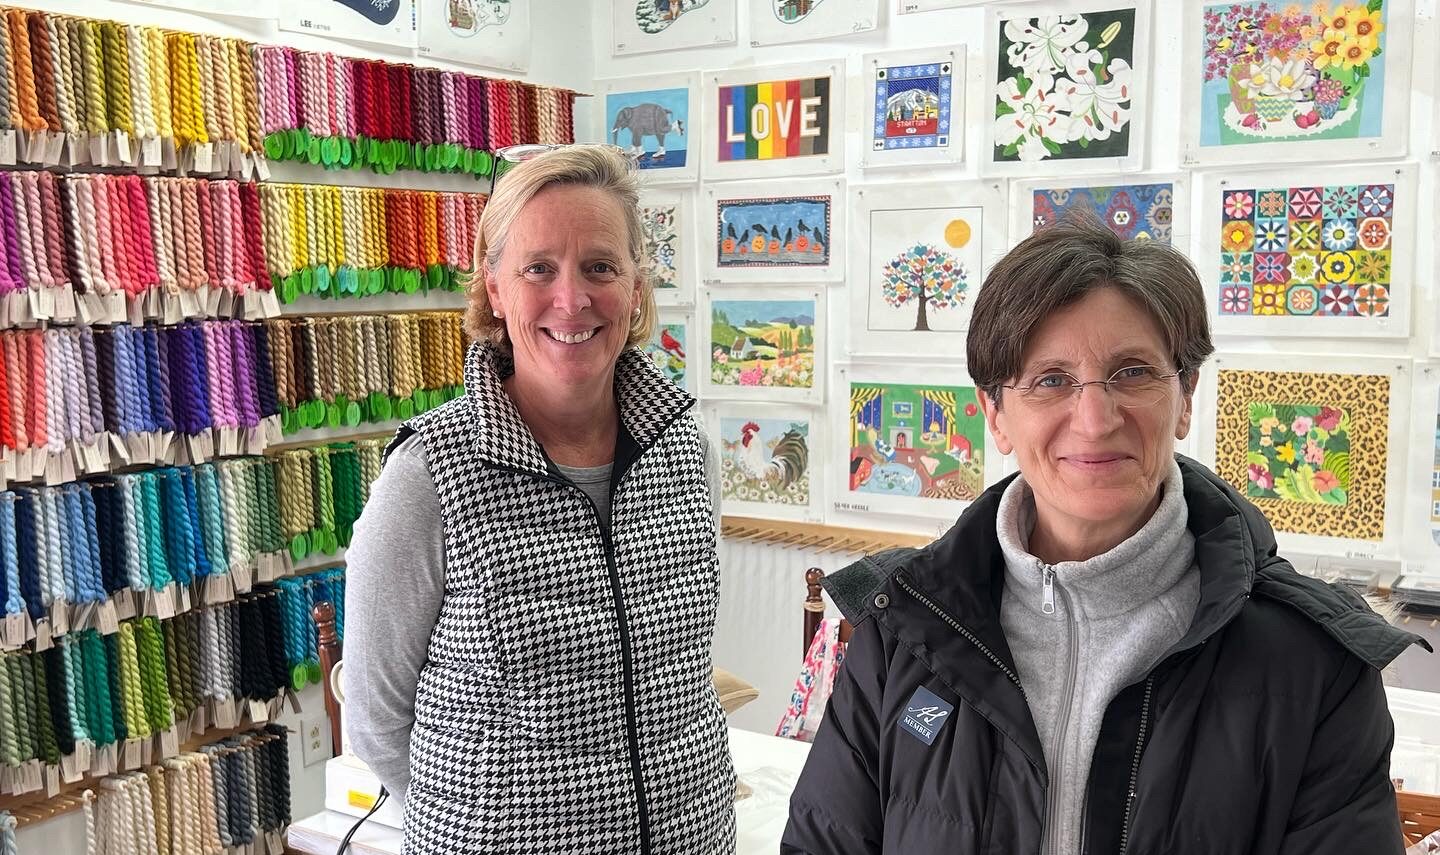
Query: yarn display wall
(297, 596)
(97, 703)
(225, 795)
(77, 399)
(347, 369)
(90, 91)
(322, 491)
(356, 241)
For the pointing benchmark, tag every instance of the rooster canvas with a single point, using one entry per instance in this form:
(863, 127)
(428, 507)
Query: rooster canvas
(765, 460)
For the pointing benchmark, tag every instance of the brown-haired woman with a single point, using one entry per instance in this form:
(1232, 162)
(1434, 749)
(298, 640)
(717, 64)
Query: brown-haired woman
(1105, 654)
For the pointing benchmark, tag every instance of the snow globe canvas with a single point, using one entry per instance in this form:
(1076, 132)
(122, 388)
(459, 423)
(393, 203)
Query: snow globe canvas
(646, 26)
(771, 459)
(1068, 82)
(653, 118)
(758, 234)
(763, 343)
(1278, 81)
(779, 21)
(919, 256)
(915, 101)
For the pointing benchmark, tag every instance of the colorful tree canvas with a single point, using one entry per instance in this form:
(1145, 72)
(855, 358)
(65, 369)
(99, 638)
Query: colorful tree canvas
(667, 351)
(1066, 86)
(759, 344)
(1299, 453)
(778, 231)
(1275, 72)
(1131, 211)
(1312, 250)
(924, 268)
(765, 460)
(916, 441)
(1310, 449)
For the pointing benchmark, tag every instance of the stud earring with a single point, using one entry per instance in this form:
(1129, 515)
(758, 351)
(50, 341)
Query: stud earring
(496, 314)
(637, 312)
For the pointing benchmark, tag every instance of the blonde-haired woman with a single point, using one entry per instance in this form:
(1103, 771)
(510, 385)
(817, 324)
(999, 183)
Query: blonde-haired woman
(532, 586)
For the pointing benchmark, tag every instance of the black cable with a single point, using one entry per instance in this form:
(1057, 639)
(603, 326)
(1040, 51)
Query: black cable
(345, 843)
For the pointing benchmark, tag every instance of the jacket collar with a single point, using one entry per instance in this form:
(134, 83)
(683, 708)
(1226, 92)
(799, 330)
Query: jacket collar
(648, 402)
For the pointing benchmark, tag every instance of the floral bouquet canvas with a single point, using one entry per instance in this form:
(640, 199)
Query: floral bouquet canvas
(1321, 71)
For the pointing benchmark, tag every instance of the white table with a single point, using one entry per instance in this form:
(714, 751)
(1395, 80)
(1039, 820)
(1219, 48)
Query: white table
(770, 766)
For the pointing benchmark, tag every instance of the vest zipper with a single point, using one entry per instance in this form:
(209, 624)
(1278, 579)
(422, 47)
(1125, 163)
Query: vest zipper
(627, 666)
(1135, 764)
(967, 634)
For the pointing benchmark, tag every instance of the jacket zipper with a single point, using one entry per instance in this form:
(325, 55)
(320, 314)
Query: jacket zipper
(1135, 764)
(967, 634)
(1048, 586)
(627, 666)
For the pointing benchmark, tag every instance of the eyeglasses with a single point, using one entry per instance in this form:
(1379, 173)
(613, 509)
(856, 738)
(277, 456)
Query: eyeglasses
(1131, 387)
(530, 151)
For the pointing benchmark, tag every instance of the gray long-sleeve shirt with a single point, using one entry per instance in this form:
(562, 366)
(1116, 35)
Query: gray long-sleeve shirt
(394, 587)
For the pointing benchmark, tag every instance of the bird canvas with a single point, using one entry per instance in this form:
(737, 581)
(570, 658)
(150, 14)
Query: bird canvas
(764, 343)
(668, 349)
(762, 232)
(769, 456)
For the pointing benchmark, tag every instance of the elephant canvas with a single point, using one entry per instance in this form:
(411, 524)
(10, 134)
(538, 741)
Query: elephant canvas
(651, 120)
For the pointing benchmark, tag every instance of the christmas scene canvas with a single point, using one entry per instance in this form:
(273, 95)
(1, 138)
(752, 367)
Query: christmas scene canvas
(765, 460)
(777, 231)
(667, 350)
(912, 106)
(653, 125)
(1131, 211)
(1276, 72)
(1066, 86)
(758, 343)
(911, 440)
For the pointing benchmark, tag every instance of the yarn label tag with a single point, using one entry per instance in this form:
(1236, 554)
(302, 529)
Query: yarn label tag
(262, 168)
(59, 617)
(52, 781)
(105, 618)
(174, 312)
(225, 714)
(122, 147)
(269, 304)
(31, 774)
(242, 574)
(124, 605)
(162, 602)
(99, 151)
(182, 596)
(259, 712)
(203, 157)
(150, 154)
(70, 770)
(15, 630)
(7, 148)
(65, 302)
(54, 147)
(43, 639)
(75, 153)
(121, 450)
(35, 147)
(135, 311)
(116, 299)
(130, 755)
(168, 158)
(189, 305)
(225, 303)
(273, 844)
(198, 723)
(169, 743)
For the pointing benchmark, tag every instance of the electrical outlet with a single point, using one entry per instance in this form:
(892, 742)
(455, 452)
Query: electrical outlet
(315, 741)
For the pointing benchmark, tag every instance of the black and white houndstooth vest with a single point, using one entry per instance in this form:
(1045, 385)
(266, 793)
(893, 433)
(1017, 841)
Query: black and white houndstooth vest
(567, 704)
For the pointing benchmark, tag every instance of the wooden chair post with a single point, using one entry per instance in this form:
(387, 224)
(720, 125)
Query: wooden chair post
(814, 606)
(324, 614)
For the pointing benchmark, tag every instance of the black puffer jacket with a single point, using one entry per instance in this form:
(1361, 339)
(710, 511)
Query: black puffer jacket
(1263, 730)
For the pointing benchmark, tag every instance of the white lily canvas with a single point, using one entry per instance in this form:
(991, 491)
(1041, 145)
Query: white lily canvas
(1068, 82)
